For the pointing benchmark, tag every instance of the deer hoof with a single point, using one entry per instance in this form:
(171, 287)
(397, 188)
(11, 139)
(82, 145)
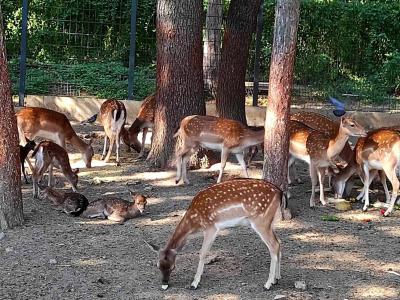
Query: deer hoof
(193, 286)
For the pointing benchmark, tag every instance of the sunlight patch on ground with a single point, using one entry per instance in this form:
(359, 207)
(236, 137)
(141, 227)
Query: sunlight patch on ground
(169, 219)
(390, 230)
(325, 238)
(376, 292)
(358, 216)
(96, 222)
(223, 297)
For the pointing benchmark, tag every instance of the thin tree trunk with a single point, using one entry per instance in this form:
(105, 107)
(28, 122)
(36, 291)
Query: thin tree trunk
(276, 143)
(11, 213)
(231, 94)
(180, 83)
(212, 44)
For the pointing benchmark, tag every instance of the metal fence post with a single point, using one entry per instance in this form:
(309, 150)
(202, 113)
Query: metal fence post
(22, 58)
(132, 49)
(257, 54)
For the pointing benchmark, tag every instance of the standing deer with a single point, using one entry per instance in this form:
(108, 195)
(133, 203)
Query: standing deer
(113, 118)
(48, 154)
(41, 122)
(320, 150)
(23, 154)
(143, 121)
(224, 135)
(228, 204)
(376, 154)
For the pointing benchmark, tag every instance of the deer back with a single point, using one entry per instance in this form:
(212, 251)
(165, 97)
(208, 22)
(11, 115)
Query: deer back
(107, 109)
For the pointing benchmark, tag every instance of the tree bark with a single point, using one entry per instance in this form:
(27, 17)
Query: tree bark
(276, 145)
(11, 213)
(231, 94)
(212, 45)
(180, 85)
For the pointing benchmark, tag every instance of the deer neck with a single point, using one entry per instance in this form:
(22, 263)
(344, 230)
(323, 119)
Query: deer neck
(79, 144)
(182, 231)
(337, 144)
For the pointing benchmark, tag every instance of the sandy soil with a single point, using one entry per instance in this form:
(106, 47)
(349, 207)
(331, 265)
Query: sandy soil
(54, 256)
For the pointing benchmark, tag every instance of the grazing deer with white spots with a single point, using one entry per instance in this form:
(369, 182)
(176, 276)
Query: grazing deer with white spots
(228, 204)
(113, 117)
(224, 135)
(70, 203)
(378, 153)
(52, 125)
(48, 154)
(143, 121)
(320, 150)
(115, 209)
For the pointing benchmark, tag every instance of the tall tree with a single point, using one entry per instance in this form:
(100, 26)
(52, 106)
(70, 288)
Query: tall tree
(276, 145)
(180, 85)
(231, 93)
(212, 44)
(11, 213)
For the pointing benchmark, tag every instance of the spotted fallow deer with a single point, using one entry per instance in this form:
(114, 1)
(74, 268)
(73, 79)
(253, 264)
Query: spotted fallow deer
(144, 121)
(228, 204)
(224, 135)
(113, 117)
(47, 155)
(52, 125)
(326, 126)
(378, 152)
(320, 150)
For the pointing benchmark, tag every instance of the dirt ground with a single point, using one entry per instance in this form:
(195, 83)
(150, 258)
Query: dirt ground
(54, 256)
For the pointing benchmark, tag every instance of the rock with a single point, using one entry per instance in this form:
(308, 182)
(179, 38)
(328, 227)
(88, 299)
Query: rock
(9, 249)
(280, 297)
(52, 261)
(300, 285)
(2, 235)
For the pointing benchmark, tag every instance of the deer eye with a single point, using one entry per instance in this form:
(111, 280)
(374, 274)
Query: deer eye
(352, 125)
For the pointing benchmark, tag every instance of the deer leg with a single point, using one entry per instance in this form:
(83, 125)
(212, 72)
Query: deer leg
(50, 171)
(110, 148)
(382, 176)
(391, 174)
(179, 156)
(240, 159)
(209, 236)
(268, 236)
(185, 160)
(117, 144)
(314, 180)
(366, 187)
(321, 177)
(142, 150)
(224, 157)
(23, 171)
(105, 147)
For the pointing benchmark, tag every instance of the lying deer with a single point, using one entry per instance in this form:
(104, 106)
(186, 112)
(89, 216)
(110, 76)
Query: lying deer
(48, 154)
(143, 121)
(23, 154)
(113, 118)
(41, 122)
(69, 202)
(378, 153)
(116, 209)
(224, 135)
(320, 150)
(228, 204)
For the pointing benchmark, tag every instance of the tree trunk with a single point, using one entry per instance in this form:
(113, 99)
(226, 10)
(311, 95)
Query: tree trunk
(231, 94)
(180, 85)
(11, 213)
(276, 145)
(212, 45)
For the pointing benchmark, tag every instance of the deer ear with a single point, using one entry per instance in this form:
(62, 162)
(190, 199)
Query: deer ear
(153, 247)
(76, 171)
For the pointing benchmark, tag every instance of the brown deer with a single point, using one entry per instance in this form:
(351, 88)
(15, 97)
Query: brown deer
(228, 204)
(116, 209)
(69, 202)
(113, 117)
(52, 125)
(48, 154)
(376, 154)
(320, 150)
(224, 135)
(23, 154)
(143, 121)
